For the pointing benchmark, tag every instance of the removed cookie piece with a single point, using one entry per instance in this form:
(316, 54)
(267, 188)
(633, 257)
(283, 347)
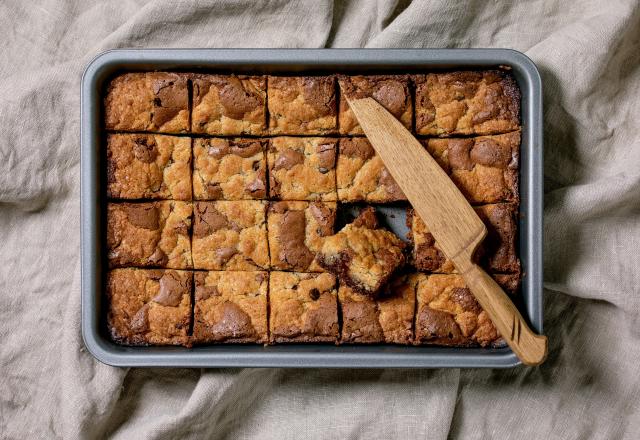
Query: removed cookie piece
(362, 255)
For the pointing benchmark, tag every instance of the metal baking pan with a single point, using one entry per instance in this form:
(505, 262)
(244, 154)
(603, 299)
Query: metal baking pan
(298, 61)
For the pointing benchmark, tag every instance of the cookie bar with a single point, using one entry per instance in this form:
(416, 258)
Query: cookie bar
(230, 235)
(448, 313)
(149, 234)
(466, 103)
(302, 105)
(229, 104)
(362, 176)
(296, 231)
(388, 318)
(391, 91)
(302, 168)
(496, 253)
(148, 166)
(362, 255)
(229, 169)
(151, 101)
(149, 306)
(303, 307)
(484, 168)
(230, 307)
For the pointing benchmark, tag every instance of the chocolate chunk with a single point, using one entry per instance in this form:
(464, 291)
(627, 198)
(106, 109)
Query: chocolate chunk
(171, 290)
(144, 215)
(158, 258)
(236, 100)
(214, 191)
(391, 186)
(459, 154)
(321, 320)
(224, 254)
(392, 95)
(490, 153)
(428, 257)
(206, 292)
(145, 149)
(234, 323)
(208, 220)
(366, 219)
(314, 294)
(294, 251)
(464, 297)
(288, 159)
(491, 107)
(260, 277)
(246, 149)
(319, 93)
(257, 188)
(171, 98)
(218, 148)
(357, 147)
(326, 155)
(438, 324)
(140, 321)
(325, 217)
(360, 322)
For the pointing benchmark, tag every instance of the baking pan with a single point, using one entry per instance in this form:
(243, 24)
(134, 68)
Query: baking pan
(297, 61)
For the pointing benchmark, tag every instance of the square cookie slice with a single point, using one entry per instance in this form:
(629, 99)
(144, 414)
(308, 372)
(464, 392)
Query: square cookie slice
(230, 307)
(362, 176)
(467, 103)
(148, 166)
(229, 169)
(496, 253)
(296, 231)
(302, 168)
(391, 91)
(230, 235)
(150, 101)
(302, 105)
(388, 318)
(149, 306)
(448, 313)
(229, 105)
(484, 168)
(149, 234)
(303, 307)
(362, 255)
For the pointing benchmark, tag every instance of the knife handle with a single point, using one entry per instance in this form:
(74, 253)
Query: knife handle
(530, 347)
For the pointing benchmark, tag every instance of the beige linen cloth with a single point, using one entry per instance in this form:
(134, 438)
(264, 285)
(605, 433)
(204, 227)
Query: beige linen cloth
(588, 52)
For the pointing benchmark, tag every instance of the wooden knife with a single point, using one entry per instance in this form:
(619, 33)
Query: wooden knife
(450, 218)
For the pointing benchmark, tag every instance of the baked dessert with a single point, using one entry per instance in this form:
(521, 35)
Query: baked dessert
(484, 168)
(229, 169)
(303, 307)
(391, 91)
(388, 318)
(229, 104)
(466, 103)
(302, 105)
(230, 307)
(148, 166)
(448, 314)
(302, 168)
(362, 255)
(296, 231)
(149, 234)
(230, 235)
(147, 101)
(361, 175)
(497, 252)
(149, 306)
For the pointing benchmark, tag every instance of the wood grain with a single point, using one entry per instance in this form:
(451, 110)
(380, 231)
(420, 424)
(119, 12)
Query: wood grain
(450, 218)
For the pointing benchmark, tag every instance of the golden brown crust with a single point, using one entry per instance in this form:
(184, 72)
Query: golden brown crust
(484, 168)
(497, 253)
(229, 169)
(362, 176)
(391, 91)
(302, 105)
(148, 166)
(388, 318)
(230, 235)
(448, 313)
(302, 168)
(362, 257)
(229, 104)
(150, 101)
(149, 306)
(230, 307)
(296, 231)
(303, 307)
(466, 103)
(150, 234)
